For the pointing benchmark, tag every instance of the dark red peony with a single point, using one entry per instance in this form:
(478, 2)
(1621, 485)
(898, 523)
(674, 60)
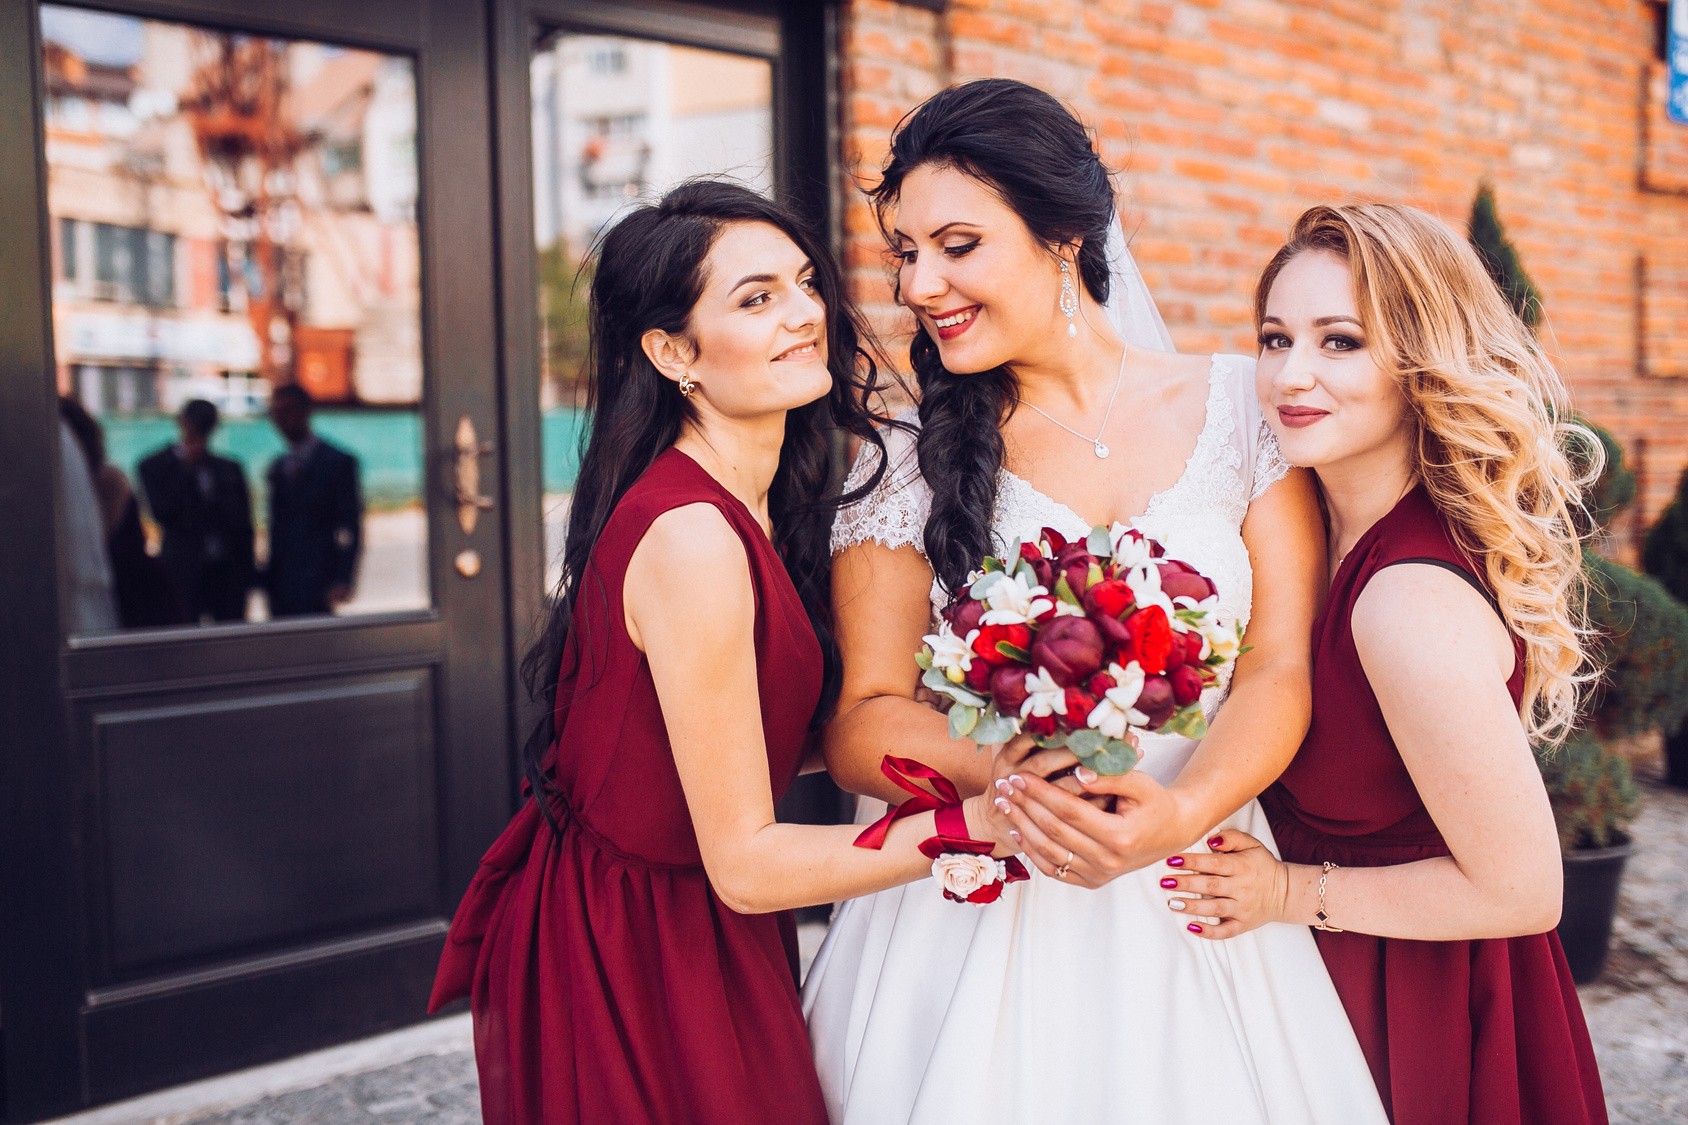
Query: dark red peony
(1008, 687)
(1070, 649)
(1186, 684)
(1156, 700)
(1180, 580)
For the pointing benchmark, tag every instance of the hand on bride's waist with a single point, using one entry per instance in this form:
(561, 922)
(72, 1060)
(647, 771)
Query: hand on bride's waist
(1080, 839)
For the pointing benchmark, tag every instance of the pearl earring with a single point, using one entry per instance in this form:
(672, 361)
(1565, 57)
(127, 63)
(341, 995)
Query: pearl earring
(1069, 298)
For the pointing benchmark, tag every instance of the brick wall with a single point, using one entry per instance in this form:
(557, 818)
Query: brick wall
(1228, 117)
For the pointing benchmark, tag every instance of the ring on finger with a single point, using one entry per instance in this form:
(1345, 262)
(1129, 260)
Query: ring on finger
(1061, 871)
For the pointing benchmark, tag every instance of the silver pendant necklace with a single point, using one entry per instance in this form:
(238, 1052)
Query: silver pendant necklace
(1095, 442)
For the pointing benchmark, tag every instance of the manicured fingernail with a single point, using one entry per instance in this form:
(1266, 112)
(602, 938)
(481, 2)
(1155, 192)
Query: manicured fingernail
(1017, 781)
(1013, 835)
(1175, 861)
(1215, 841)
(1169, 882)
(1193, 928)
(1175, 903)
(1003, 787)
(1084, 775)
(1002, 806)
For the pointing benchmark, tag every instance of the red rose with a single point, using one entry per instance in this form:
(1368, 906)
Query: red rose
(1008, 687)
(1186, 684)
(1079, 705)
(978, 676)
(1156, 701)
(984, 645)
(1101, 683)
(1192, 647)
(1151, 636)
(963, 614)
(1069, 649)
(1181, 580)
(1041, 724)
(1110, 597)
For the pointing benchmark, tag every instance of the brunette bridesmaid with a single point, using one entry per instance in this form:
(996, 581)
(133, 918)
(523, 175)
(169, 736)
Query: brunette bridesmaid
(627, 945)
(1414, 827)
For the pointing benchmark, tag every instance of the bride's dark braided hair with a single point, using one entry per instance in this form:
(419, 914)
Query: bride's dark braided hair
(1029, 149)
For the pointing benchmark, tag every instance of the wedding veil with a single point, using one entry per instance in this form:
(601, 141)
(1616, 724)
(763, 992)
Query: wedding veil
(1130, 308)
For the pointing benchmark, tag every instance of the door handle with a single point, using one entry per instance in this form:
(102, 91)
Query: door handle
(466, 475)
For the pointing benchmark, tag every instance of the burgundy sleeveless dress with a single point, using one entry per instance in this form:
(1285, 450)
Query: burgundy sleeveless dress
(608, 982)
(1486, 1032)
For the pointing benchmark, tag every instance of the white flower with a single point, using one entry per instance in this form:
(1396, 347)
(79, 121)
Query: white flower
(1045, 696)
(1068, 609)
(951, 655)
(1114, 712)
(1130, 551)
(961, 874)
(1221, 637)
(1014, 601)
(1146, 590)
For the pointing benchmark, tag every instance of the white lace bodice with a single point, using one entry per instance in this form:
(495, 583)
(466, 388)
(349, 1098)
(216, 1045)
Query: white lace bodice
(1199, 518)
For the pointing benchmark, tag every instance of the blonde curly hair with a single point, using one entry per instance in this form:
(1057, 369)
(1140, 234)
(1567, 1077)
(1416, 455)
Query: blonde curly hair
(1496, 447)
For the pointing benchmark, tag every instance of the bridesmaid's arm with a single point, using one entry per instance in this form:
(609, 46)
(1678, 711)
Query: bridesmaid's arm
(1437, 658)
(1252, 739)
(690, 608)
(881, 608)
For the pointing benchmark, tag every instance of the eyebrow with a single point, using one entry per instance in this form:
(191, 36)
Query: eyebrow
(764, 278)
(942, 229)
(1322, 322)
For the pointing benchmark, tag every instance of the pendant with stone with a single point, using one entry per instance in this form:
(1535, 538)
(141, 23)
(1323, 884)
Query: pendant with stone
(1101, 450)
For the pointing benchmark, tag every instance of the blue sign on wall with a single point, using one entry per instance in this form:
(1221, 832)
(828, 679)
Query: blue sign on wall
(1677, 49)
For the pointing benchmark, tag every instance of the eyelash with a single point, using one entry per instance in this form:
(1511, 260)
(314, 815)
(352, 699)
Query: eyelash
(907, 256)
(757, 299)
(1269, 340)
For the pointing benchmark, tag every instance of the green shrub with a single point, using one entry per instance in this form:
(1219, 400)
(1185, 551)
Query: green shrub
(1665, 555)
(1615, 489)
(1489, 239)
(1595, 798)
(1643, 648)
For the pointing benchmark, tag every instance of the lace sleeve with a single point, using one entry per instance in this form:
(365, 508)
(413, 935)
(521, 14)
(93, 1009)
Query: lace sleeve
(895, 512)
(1269, 464)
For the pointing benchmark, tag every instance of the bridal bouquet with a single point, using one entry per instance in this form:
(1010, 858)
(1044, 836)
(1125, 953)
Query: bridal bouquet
(1080, 644)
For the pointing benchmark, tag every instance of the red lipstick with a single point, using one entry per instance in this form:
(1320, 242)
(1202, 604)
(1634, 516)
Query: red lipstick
(1299, 417)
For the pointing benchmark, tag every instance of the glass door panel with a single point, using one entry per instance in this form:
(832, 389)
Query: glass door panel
(617, 121)
(237, 323)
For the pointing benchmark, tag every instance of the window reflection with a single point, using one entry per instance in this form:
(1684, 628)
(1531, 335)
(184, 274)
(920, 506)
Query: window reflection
(617, 120)
(236, 304)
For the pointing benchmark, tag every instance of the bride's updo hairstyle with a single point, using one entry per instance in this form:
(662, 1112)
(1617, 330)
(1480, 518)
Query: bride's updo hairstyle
(648, 271)
(1492, 427)
(1034, 154)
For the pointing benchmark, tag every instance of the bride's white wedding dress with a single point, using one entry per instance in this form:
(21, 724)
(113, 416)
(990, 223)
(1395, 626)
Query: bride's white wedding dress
(1061, 1004)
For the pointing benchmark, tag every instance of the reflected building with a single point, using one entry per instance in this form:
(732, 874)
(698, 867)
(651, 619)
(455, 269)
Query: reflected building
(231, 213)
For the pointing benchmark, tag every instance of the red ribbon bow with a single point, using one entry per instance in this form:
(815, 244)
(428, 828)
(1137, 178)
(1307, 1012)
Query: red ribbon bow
(948, 818)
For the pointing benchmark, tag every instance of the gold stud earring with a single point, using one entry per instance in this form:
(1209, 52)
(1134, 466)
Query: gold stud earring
(687, 385)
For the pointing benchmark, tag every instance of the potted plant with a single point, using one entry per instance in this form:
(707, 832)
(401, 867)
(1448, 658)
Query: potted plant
(1665, 556)
(1595, 800)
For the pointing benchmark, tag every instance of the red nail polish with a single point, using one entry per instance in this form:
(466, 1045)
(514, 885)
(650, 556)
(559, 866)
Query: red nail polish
(1175, 861)
(1169, 883)
(1193, 928)
(1215, 841)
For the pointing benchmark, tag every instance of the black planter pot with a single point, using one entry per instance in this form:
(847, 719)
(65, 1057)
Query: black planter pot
(1676, 757)
(1591, 900)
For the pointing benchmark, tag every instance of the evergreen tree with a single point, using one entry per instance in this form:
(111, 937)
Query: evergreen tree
(1665, 555)
(1489, 239)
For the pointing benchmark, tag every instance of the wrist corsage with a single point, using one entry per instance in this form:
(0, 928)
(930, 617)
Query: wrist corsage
(963, 866)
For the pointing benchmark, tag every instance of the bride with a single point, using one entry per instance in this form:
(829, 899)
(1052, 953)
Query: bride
(1050, 396)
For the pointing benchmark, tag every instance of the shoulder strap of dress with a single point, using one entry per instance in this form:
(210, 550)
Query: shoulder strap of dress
(1471, 579)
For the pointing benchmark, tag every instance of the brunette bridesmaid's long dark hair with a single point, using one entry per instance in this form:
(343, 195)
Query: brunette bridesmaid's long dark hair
(649, 273)
(1029, 149)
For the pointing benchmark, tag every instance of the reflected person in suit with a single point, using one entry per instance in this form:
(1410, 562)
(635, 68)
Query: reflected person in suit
(201, 502)
(316, 514)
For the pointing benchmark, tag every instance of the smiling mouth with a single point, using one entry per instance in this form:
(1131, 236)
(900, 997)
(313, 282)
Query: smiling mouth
(952, 324)
(801, 351)
(1297, 417)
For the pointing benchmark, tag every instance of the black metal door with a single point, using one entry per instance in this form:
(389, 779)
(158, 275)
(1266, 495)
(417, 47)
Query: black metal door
(223, 843)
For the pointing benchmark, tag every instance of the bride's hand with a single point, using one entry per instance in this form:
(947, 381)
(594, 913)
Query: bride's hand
(1093, 846)
(1241, 883)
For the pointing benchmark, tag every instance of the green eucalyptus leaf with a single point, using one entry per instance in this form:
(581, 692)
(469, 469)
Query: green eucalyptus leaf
(1011, 556)
(1100, 543)
(994, 727)
(962, 720)
(1014, 652)
(923, 658)
(939, 683)
(1064, 591)
(1051, 741)
(1087, 741)
(1115, 758)
(983, 587)
(1024, 570)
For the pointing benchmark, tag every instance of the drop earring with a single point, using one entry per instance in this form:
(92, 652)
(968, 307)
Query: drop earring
(1069, 298)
